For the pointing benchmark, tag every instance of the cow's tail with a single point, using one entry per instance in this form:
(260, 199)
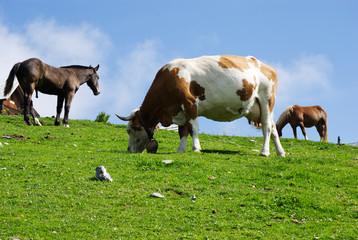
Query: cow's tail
(10, 79)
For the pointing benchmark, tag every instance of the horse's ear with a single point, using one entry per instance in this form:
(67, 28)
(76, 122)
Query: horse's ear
(96, 68)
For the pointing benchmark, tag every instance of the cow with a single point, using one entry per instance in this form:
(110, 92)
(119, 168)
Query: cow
(221, 88)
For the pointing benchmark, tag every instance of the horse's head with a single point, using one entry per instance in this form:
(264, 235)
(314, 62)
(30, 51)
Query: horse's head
(92, 82)
(279, 130)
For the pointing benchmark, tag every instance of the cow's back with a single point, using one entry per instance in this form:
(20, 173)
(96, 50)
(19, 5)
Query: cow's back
(226, 87)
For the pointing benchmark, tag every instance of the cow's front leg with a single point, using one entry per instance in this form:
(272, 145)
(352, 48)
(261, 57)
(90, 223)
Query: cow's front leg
(183, 134)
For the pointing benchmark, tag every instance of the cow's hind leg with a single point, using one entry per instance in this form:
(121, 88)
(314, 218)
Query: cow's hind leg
(269, 131)
(266, 122)
(195, 134)
(276, 140)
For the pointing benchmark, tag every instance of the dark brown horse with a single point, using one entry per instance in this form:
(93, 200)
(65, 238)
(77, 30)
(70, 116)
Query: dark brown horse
(64, 82)
(304, 117)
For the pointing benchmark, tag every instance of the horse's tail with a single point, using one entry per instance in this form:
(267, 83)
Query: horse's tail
(10, 79)
(325, 123)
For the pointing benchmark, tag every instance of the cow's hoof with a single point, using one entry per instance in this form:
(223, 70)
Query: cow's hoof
(264, 154)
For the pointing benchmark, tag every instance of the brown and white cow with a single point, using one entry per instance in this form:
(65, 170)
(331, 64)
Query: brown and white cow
(221, 88)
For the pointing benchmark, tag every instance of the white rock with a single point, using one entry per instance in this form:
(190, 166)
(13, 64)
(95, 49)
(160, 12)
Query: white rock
(167, 161)
(193, 197)
(157, 195)
(102, 174)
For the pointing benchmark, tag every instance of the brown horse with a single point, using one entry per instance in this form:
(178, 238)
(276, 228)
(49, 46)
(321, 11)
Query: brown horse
(64, 82)
(304, 117)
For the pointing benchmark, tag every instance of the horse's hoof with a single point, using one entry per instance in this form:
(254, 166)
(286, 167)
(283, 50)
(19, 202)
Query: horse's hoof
(66, 125)
(37, 122)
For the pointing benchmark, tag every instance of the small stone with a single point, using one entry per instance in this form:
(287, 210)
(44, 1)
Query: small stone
(102, 174)
(156, 195)
(211, 178)
(193, 197)
(167, 162)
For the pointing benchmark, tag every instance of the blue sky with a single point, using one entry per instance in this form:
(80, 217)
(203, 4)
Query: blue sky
(312, 44)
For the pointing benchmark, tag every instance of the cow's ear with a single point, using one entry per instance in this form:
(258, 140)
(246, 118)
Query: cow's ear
(136, 126)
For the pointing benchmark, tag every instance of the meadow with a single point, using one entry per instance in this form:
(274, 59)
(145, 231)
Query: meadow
(48, 188)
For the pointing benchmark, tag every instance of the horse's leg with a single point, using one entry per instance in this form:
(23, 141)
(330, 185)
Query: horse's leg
(303, 130)
(27, 101)
(59, 109)
(68, 101)
(33, 114)
(294, 130)
(320, 130)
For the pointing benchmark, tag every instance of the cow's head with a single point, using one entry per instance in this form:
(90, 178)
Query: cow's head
(139, 137)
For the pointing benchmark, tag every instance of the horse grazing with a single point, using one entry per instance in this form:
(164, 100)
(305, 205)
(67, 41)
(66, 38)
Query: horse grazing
(304, 117)
(221, 88)
(64, 82)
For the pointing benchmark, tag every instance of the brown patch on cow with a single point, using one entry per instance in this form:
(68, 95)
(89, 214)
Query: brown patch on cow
(165, 98)
(253, 61)
(269, 72)
(240, 63)
(246, 92)
(271, 75)
(197, 90)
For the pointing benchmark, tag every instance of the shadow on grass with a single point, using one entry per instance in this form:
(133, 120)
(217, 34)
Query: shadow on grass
(229, 152)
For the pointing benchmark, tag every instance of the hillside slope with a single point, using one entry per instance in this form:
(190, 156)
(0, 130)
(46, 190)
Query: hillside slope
(48, 187)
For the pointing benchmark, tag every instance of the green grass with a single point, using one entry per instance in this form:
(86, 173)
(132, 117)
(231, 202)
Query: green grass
(49, 190)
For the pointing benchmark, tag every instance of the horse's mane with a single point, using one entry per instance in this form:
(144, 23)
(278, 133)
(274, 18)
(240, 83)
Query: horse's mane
(77, 66)
(284, 116)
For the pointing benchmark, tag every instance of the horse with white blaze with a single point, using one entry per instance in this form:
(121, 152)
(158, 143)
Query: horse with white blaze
(221, 88)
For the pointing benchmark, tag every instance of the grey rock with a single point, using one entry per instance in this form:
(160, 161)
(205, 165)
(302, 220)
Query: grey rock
(156, 195)
(102, 174)
(167, 161)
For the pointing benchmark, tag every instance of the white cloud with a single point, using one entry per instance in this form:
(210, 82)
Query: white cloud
(304, 80)
(56, 45)
(136, 72)
(67, 44)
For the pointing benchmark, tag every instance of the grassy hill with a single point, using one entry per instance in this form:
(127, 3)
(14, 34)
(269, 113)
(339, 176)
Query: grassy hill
(48, 188)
